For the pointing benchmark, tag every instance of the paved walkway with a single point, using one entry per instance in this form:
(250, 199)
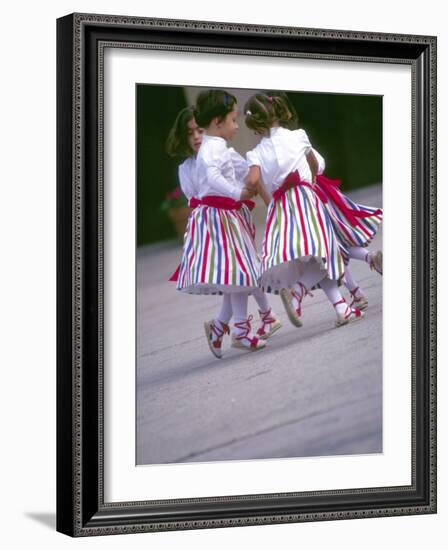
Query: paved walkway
(314, 391)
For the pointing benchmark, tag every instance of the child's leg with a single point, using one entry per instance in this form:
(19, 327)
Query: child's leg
(269, 321)
(241, 335)
(239, 306)
(358, 253)
(261, 299)
(359, 298)
(374, 259)
(225, 313)
(344, 313)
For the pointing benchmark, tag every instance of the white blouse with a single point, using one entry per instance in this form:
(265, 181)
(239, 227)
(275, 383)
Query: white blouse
(188, 178)
(320, 162)
(283, 152)
(220, 169)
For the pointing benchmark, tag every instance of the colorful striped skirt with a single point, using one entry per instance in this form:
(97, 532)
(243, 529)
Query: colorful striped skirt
(299, 235)
(219, 254)
(355, 224)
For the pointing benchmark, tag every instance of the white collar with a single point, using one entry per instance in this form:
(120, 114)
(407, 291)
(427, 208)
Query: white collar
(218, 138)
(274, 130)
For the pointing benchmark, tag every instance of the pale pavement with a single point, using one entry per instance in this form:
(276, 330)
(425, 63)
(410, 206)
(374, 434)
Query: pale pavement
(314, 391)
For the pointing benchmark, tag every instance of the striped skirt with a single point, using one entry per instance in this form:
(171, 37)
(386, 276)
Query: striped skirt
(219, 254)
(299, 234)
(351, 228)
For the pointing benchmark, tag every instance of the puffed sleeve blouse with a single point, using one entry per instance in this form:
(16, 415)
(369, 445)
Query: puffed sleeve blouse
(216, 171)
(320, 162)
(188, 178)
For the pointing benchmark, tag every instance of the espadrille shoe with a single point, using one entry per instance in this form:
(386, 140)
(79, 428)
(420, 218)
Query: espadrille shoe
(294, 313)
(244, 339)
(376, 261)
(215, 343)
(269, 324)
(359, 300)
(350, 315)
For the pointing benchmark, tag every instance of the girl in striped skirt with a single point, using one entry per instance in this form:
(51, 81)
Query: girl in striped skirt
(301, 248)
(355, 224)
(219, 254)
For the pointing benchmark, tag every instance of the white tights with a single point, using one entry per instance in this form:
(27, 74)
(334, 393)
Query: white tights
(311, 277)
(235, 303)
(358, 253)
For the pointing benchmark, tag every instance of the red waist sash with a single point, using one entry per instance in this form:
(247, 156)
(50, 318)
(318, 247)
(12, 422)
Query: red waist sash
(326, 189)
(293, 180)
(225, 203)
(331, 189)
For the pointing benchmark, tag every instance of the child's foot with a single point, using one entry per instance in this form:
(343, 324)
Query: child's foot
(359, 299)
(346, 314)
(292, 301)
(214, 332)
(269, 324)
(242, 338)
(375, 260)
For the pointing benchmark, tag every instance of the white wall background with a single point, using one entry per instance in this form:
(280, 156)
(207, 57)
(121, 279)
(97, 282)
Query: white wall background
(27, 276)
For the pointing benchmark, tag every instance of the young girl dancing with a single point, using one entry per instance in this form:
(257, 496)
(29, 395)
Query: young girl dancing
(300, 248)
(354, 224)
(219, 252)
(184, 140)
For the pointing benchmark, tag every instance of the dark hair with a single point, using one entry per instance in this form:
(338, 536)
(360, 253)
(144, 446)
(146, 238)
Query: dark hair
(262, 110)
(177, 141)
(293, 122)
(211, 104)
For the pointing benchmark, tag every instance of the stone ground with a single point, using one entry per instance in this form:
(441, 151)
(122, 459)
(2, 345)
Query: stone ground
(314, 391)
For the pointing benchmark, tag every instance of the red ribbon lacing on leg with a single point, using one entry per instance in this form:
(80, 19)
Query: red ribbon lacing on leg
(219, 333)
(300, 297)
(266, 319)
(349, 311)
(245, 325)
(355, 299)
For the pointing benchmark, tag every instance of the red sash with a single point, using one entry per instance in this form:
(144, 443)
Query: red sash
(331, 189)
(225, 203)
(326, 189)
(293, 180)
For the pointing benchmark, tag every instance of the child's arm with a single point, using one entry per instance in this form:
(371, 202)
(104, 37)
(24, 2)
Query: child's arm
(264, 193)
(254, 181)
(253, 177)
(218, 183)
(313, 164)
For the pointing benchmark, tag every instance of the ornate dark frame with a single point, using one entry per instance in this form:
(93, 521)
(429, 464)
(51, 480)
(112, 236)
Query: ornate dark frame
(81, 39)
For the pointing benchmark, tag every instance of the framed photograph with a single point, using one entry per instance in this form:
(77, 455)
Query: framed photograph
(229, 350)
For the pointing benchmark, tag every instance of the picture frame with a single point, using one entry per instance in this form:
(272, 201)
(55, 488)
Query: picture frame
(81, 506)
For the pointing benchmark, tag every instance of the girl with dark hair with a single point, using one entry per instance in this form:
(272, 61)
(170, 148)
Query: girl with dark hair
(219, 251)
(300, 248)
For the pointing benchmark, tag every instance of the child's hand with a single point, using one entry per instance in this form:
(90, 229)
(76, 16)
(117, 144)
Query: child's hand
(251, 185)
(247, 193)
(251, 182)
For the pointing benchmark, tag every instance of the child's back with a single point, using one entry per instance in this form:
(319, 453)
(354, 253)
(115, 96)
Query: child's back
(280, 153)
